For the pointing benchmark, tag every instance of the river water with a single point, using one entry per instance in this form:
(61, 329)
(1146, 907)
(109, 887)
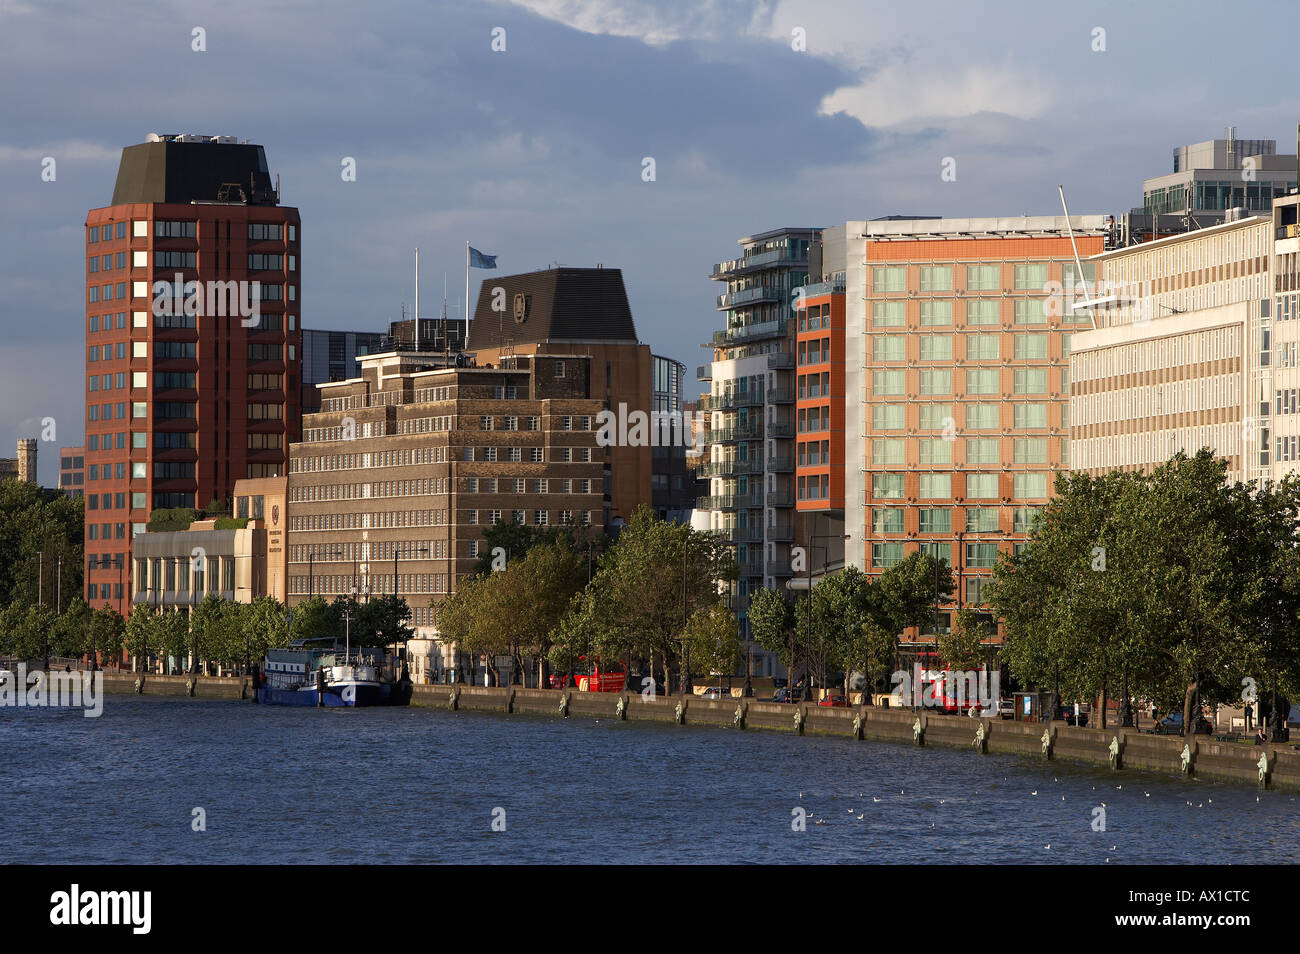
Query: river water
(291, 785)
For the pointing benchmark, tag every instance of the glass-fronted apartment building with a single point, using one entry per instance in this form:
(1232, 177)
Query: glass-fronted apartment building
(749, 444)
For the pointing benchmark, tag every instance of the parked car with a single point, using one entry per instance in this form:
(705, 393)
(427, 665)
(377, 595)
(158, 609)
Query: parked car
(785, 695)
(834, 700)
(715, 692)
(1172, 724)
(1007, 708)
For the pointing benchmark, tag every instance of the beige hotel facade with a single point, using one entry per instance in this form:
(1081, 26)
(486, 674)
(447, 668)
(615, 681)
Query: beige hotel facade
(1181, 355)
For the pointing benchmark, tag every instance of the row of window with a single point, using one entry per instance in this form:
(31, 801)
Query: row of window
(171, 228)
(979, 486)
(1029, 276)
(165, 292)
(977, 381)
(979, 450)
(977, 556)
(940, 519)
(1029, 346)
(978, 312)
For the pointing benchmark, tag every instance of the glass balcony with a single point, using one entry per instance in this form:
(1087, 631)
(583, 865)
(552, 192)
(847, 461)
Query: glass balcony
(780, 498)
(780, 361)
(747, 296)
(775, 258)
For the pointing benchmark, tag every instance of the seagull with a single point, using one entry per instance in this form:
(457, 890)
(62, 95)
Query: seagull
(1034, 792)
(1062, 798)
(820, 821)
(943, 801)
(1048, 846)
(859, 818)
(1112, 847)
(1147, 794)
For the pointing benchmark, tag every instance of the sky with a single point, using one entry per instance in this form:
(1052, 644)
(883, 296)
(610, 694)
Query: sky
(758, 114)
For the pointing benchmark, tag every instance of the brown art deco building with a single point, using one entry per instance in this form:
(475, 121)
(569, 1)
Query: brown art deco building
(577, 311)
(183, 401)
(406, 466)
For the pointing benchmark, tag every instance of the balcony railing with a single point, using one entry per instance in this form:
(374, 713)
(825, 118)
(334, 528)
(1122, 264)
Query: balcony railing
(781, 465)
(780, 395)
(728, 435)
(780, 361)
(730, 502)
(726, 468)
(781, 532)
(743, 534)
(747, 296)
(729, 400)
(780, 430)
(704, 372)
(779, 568)
(780, 498)
(771, 259)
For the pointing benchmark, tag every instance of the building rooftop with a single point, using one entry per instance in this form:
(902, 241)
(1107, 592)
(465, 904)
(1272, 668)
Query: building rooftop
(556, 304)
(186, 169)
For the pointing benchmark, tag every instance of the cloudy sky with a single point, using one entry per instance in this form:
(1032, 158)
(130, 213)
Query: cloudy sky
(535, 153)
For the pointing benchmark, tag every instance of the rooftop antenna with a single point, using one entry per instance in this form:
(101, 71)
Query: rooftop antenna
(417, 299)
(446, 346)
(1077, 263)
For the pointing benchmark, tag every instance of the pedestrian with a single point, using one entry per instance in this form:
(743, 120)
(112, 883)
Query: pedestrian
(1260, 738)
(1249, 713)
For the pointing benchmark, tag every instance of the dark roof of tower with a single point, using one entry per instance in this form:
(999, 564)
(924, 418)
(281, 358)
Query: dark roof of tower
(169, 170)
(560, 304)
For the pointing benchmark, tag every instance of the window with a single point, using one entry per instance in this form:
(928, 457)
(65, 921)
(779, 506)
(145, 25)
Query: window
(259, 231)
(1029, 485)
(935, 450)
(887, 279)
(1030, 311)
(936, 348)
(887, 520)
(982, 347)
(936, 416)
(981, 381)
(886, 554)
(172, 229)
(1031, 450)
(982, 312)
(886, 486)
(982, 278)
(1030, 380)
(1023, 518)
(888, 348)
(981, 416)
(1031, 277)
(935, 485)
(1030, 415)
(887, 417)
(936, 380)
(981, 555)
(982, 486)
(981, 519)
(936, 313)
(981, 450)
(1031, 346)
(935, 520)
(888, 314)
(936, 278)
(173, 259)
(887, 382)
(264, 263)
(887, 450)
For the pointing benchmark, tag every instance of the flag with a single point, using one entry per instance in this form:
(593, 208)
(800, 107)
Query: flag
(478, 260)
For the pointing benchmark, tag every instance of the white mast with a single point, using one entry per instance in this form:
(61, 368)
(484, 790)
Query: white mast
(417, 299)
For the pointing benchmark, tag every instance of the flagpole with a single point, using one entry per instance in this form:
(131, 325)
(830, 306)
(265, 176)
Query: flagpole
(417, 298)
(466, 294)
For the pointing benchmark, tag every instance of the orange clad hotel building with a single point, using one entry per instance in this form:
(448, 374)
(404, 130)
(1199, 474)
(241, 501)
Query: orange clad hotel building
(948, 377)
(179, 404)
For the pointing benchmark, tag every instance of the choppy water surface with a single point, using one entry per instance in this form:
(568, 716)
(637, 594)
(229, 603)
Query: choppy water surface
(418, 785)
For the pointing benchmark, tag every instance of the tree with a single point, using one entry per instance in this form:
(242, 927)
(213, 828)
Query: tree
(908, 589)
(314, 618)
(264, 624)
(40, 536)
(173, 634)
(71, 637)
(714, 641)
(772, 625)
(205, 620)
(107, 628)
(141, 635)
(838, 611)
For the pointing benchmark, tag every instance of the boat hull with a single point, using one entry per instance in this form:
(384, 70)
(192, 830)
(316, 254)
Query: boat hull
(348, 696)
